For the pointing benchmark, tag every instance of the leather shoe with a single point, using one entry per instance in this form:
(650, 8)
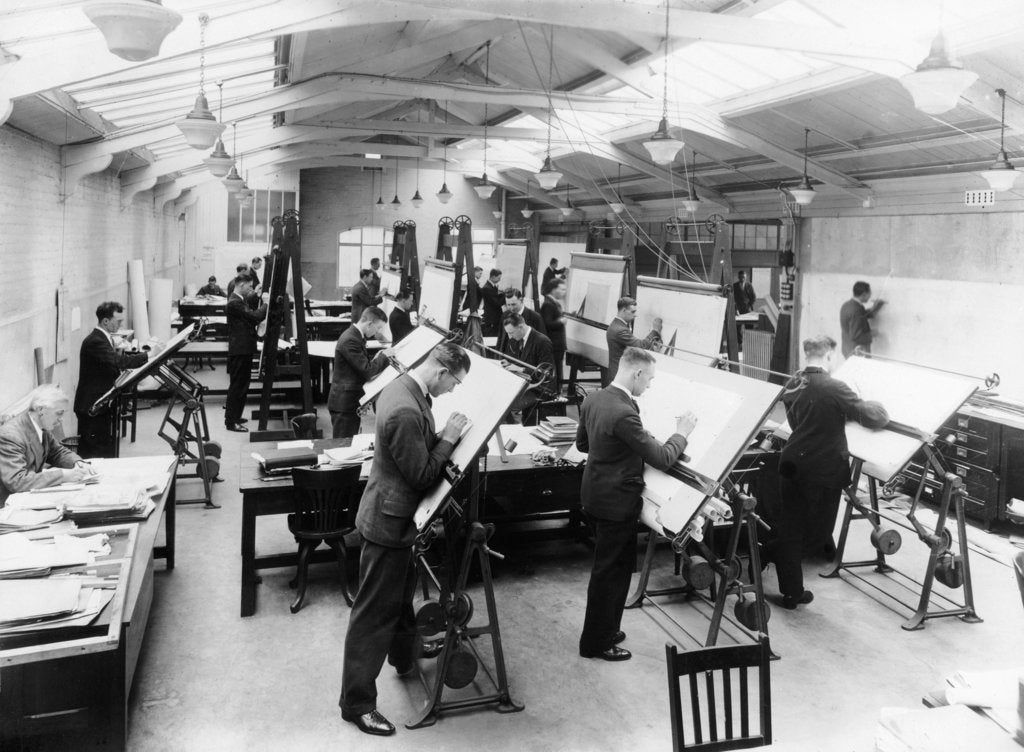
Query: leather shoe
(611, 654)
(618, 637)
(243, 420)
(791, 601)
(372, 723)
(432, 649)
(236, 427)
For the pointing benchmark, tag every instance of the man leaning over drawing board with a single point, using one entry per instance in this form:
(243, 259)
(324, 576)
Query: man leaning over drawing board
(620, 336)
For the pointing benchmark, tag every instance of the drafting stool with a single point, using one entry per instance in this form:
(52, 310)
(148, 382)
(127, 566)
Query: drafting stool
(325, 510)
(727, 690)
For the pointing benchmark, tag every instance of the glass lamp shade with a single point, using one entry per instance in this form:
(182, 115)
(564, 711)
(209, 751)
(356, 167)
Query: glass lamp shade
(527, 213)
(803, 193)
(497, 214)
(244, 195)
(200, 127)
(548, 176)
(692, 202)
(617, 206)
(566, 211)
(132, 29)
(233, 182)
(396, 203)
(485, 189)
(219, 162)
(444, 195)
(938, 82)
(1000, 175)
(417, 199)
(661, 146)
(380, 203)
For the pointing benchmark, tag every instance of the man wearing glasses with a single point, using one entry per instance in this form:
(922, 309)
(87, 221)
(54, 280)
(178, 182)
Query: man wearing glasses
(408, 458)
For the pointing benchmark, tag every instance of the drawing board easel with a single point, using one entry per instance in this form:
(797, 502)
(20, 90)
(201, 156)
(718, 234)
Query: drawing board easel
(918, 400)
(405, 355)
(440, 293)
(693, 315)
(594, 285)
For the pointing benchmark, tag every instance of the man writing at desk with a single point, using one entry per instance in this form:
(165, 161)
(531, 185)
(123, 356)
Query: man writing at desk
(27, 446)
(527, 345)
(408, 458)
(617, 444)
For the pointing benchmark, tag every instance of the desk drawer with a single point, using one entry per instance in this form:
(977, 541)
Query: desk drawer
(981, 489)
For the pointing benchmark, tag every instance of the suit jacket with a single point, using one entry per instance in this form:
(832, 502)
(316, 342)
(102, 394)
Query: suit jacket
(744, 296)
(242, 321)
(619, 336)
(532, 319)
(255, 278)
(853, 318)
(362, 298)
(617, 447)
(493, 299)
(211, 289)
(23, 456)
(99, 366)
(400, 324)
(408, 458)
(535, 351)
(554, 324)
(550, 274)
(352, 366)
(817, 407)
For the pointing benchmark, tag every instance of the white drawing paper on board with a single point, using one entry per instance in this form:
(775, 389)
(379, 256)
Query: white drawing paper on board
(484, 396)
(409, 352)
(390, 283)
(586, 270)
(510, 258)
(692, 322)
(436, 294)
(668, 503)
(595, 304)
(587, 340)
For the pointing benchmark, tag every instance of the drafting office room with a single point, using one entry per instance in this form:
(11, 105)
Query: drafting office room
(452, 374)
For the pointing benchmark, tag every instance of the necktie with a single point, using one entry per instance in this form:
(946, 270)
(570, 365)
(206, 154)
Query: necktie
(430, 401)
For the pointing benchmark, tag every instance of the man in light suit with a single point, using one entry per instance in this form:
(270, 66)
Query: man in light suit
(353, 368)
(617, 444)
(408, 459)
(27, 447)
(620, 336)
(100, 363)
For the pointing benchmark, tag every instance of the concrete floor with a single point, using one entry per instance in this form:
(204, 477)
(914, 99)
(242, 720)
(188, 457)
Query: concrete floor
(210, 680)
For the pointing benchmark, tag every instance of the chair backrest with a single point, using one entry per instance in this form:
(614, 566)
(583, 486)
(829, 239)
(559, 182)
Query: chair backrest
(1018, 567)
(709, 720)
(326, 499)
(305, 426)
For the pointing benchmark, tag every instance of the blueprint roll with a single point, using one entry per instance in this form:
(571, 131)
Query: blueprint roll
(160, 308)
(137, 293)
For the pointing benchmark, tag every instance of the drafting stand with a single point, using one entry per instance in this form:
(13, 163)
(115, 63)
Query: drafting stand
(484, 396)
(187, 432)
(918, 400)
(595, 283)
(697, 491)
(405, 256)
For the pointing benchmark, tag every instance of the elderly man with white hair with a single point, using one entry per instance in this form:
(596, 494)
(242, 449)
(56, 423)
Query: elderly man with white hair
(30, 457)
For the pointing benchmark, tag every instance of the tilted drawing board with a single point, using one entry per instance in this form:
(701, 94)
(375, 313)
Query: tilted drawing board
(390, 283)
(587, 339)
(510, 258)
(129, 378)
(693, 316)
(408, 353)
(730, 410)
(915, 396)
(595, 284)
(484, 396)
(437, 292)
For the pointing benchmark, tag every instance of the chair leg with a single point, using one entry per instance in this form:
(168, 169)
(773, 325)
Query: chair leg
(305, 548)
(341, 551)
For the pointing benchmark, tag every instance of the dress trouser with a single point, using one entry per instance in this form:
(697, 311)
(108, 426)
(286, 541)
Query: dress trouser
(614, 561)
(345, 415)
(559, 359)
(96, 435)
(381, 625)
(239, 375)
(804, 505)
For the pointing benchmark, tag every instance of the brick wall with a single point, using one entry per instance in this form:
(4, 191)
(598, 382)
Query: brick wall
(84, 243)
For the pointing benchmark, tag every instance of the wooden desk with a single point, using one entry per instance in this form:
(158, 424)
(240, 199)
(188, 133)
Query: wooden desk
(327, 327)
(330, 307)
(83, 698)
(321, 353)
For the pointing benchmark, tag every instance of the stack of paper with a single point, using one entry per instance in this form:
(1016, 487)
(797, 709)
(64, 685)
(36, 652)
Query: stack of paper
(995, 692)
(556, 431)
(107, 502)
(20, 556)
(950, 729)
(51, 603)
(27, 519)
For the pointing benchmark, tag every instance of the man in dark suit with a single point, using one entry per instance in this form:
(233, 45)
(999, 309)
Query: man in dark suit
(493, 302)
(814, 466)
(353, 368)
(554, 323)
(620, 336)
(399, 322)
(408, 458)
(100, 363)
(363, 295)
(242, 268)
(254, 267)
(212, 289)
(617, 447)
(375, 281)
(552, 272)
(528, 346)
(743, 294)
(854, 319)
(242, 321)
(514, 304)
(30, 457)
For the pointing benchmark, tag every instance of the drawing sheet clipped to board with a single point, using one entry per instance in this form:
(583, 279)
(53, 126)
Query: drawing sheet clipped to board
(594, 286)
(436, 292)
(730, 409)
(510, 258)
(409, 352)
(692, 322)
(484, 396)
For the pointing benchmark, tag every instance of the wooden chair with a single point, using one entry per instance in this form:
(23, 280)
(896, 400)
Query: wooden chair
(305, 426)
(727, 691)
(325, 510)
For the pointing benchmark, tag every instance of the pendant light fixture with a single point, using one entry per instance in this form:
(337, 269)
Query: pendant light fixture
(1001, 175)
(233, 182)
(444, 195)
(568, 209)
(396, 203)
(200, 127)
(692, 201)
(617, 205)
(485, 189)
(219, 162)
(526, 211)
(417, 199)
(803, 193)
(661, 146)
(132, 29)
(939, 81)
(548, 176)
